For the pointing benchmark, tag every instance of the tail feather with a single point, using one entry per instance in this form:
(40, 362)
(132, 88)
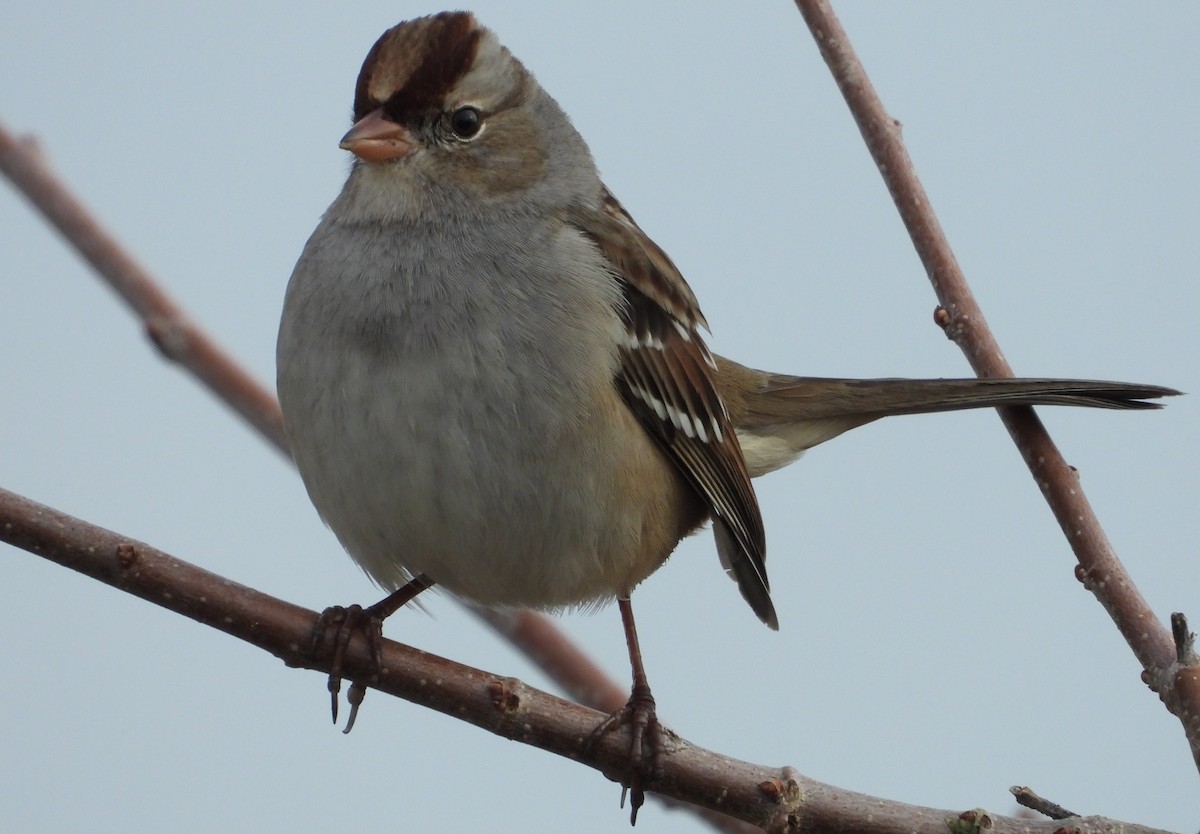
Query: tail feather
(782, 416)
(816, 397)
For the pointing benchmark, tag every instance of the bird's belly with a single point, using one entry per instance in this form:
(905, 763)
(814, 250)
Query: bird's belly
(497, 495)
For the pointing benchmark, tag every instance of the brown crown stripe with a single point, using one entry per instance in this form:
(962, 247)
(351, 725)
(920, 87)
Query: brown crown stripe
(415, 64)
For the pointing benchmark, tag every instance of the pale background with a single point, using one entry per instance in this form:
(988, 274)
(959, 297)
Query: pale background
(935, 646)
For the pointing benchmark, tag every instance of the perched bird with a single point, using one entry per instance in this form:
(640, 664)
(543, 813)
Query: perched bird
(494, 381)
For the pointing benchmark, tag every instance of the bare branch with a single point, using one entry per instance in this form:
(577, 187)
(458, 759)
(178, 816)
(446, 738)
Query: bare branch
(960, 317)
(1179, 684)
(777, 799)
(171, 331)
(1034, 802)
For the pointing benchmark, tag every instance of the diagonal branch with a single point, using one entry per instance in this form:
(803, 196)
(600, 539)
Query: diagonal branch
(168, 327)
(1099, 569)
(776, 799)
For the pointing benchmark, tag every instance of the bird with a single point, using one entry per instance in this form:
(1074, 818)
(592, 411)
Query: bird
(493, 381)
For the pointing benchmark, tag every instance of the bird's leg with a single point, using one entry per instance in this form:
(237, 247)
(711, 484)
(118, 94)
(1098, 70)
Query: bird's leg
(340, 622)
(640, 716)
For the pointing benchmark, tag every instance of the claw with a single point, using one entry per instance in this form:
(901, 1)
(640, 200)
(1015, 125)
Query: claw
(334, 685)
(640, 716)
(340, 623)
(354, 697)
(343, 621)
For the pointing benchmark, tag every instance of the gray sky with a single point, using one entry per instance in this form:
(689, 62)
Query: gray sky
(935, 647)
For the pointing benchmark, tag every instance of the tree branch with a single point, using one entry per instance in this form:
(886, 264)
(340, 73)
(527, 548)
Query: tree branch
(777, 799)
(166, 325)
(1099, 569)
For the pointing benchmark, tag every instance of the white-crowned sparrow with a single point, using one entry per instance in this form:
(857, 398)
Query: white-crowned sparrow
(494, 381)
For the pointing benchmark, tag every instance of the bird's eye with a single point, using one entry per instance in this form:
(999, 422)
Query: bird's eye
(466, 122)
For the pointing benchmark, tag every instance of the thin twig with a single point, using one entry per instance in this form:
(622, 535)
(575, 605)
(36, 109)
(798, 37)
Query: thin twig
(1185, 640)
(1099, 568)
(1028, 798)
(778, 799)
(166, 325)
(1184, 681)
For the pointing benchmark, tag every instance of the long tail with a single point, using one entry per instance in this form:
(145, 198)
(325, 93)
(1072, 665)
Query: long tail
(778, 417)
(816, 397)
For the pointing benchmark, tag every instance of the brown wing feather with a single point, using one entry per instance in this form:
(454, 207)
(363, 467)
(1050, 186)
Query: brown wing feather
(667, 378)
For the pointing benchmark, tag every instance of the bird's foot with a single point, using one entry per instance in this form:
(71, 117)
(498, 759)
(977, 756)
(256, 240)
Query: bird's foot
(337, 625)
(645, 744)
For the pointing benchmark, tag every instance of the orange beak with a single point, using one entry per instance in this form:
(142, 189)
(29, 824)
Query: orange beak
(376, 139)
